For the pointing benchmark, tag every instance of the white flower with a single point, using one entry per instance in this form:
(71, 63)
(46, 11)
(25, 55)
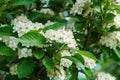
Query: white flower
(117, 20)
(13, 69)
(49, 23)
(47, 11)
(111, 40)
(57, 74)
(22, 25)
(24, 52)
(0, 38)
(118, 2)
(10, 42)
(78, 6)
(65, 62)
(65, 53)
(61, 35)
(89, 63)
(104, 76)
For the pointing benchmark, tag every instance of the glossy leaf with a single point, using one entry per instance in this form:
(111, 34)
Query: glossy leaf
(6, 31)
(25, 67)
(22, 2)
(86, 53)
(48, 63)
(6, 51)
(32, 38)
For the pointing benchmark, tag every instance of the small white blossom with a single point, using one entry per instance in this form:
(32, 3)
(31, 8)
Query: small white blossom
(47, 11)
(10, 42)
(118, 2)
(49, 23)
(65, 62)
(117, 20)
(22, 25)
(57, 74)
(111, 40)
(13, 69)
(24, 52)
(61, 35)
(104, 76)
(78, 6)
(89, 63)
(0, 38)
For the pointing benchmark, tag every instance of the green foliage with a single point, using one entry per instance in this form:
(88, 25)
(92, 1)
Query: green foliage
(6, 31)
(39, 54)
(48, 63)
(76, 61)
(6, 51)
(86, 53)
(22, 2)
(54, 26)
(25, 67)
(89, 22)
(117, 52)
(32, 38)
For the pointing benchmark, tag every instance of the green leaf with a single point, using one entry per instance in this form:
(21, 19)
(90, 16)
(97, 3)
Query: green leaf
(6, 51)
(86, 53)
(76, 61)
(48, 63)
(39, 54)
(6, 31)
(79, 57)
(55, 26)
(32, 38)
(117, 52)
(88, 72)
(79, 27)
(22, 2)
(70, 75)
(109, 17)
(36, 16)
(25, 67)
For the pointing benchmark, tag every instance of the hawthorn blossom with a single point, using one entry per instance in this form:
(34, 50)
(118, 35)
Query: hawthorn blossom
(89, 63)
(59, 74)
(24, 52)
(111, 40)
(22, 25)
(78, 6)
(47, 11)
(104, 76)
(10, 42)
(65, 62)
(13, 69)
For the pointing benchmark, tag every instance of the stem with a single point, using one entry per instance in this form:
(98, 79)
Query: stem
(101, 11)
(87, 37)
(39, 73)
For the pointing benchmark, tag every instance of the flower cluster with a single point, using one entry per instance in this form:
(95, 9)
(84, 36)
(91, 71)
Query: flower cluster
(117, 21)
(24, 52)
(61, 35)
(78, 6)
(65, 62)
(10, 42)
(47, 11)
(13, 69)
(89, 63)
(57, 74)
(111, 40)
(104, 76)
(22, 25)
